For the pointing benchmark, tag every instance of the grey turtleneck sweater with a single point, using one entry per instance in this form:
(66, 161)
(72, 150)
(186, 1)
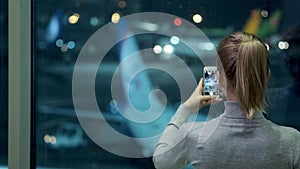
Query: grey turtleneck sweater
(230, 141)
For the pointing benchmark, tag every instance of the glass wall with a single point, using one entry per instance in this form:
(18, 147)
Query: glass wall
(98, 61)
(3, 81)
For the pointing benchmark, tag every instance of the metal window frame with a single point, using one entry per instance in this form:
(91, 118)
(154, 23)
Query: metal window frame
(19, 81)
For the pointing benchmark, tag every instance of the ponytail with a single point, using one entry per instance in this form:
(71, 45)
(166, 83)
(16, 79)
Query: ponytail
(252, 75)
(246, 64)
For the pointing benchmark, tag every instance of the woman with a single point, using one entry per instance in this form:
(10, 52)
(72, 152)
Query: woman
(241, 137)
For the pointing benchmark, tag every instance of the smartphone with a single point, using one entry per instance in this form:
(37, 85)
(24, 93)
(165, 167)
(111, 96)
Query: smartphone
(211, 81)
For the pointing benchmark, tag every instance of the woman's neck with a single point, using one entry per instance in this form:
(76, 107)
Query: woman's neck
(231, 95)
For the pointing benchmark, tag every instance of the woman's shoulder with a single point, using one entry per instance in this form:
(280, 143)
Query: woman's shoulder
(289, 132)
(285, 133)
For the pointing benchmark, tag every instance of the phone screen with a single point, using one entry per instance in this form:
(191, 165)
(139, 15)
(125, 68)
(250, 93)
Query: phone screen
(211, 85)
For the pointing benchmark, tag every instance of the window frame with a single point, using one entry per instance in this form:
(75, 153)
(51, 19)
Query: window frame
(19, 80)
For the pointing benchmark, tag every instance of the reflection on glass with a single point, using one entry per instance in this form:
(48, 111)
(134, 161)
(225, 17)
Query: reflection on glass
(284, 100)
(61, 31)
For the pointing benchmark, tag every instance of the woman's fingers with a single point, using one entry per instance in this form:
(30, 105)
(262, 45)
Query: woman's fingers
(206, 100)
(200, 86)
(196, 101)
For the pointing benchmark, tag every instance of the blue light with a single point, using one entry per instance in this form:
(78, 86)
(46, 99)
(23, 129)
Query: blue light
(94, 21)
(53, 28)
(71, 45)
(59, 42)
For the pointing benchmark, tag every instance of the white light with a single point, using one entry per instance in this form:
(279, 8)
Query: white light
(174, 40)
(71, 45)
(148, 26)
(197, 18)
(59, 42)
(157, 49)
(206, 46)
(168, 49)
(264, 13)
(209, 46)
(283, 45)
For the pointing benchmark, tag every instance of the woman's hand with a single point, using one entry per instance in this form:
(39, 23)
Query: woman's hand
(196, 101)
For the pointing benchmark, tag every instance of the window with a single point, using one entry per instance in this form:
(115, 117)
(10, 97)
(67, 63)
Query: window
(78, 50)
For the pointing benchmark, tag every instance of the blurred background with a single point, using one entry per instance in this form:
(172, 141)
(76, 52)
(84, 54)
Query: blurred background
(61, 28)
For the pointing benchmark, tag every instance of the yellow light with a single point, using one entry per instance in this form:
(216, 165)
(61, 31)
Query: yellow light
(115, 18)
(197, 18)
(73, 19)
(47, 138)
(52, 140)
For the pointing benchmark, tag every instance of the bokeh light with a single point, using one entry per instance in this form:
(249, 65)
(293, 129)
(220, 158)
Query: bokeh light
(73, 19)
(115, 18)
(71, 45)
(64, 48)
(168, 49)
(174, 40)
(177, 22)
(157, 49)
(283, 45)
(52, 140)
(197, 18)
(94, 21)
(59, 42)
(122, 4)
(47, 138)
(264, 13)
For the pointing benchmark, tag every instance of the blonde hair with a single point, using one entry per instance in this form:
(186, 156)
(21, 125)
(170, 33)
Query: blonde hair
(245, 61)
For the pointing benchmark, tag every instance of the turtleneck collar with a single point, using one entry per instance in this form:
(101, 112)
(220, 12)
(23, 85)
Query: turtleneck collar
(234, 110)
